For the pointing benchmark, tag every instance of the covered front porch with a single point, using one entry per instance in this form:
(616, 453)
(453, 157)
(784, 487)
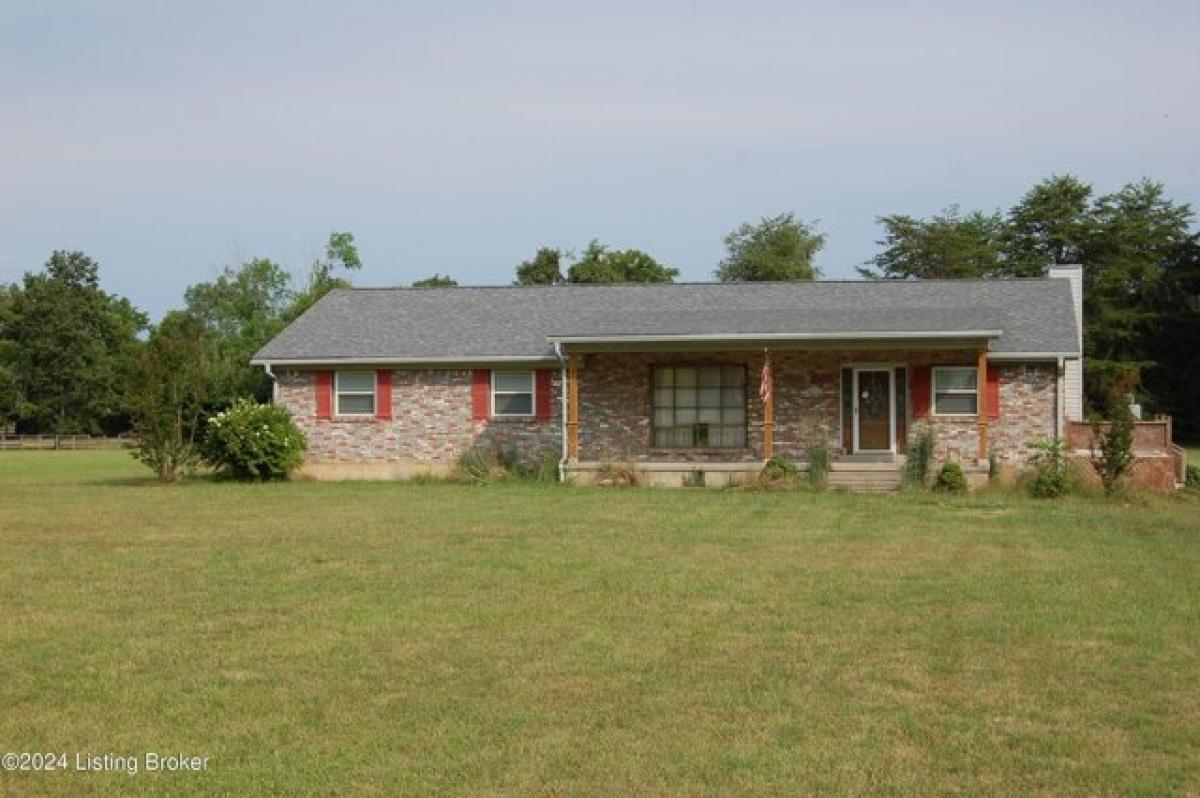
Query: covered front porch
(675, 411)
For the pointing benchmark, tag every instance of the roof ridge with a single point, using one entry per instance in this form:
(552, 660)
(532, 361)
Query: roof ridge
(889, 281)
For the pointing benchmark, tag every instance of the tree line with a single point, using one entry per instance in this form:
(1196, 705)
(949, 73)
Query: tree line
(77, 359)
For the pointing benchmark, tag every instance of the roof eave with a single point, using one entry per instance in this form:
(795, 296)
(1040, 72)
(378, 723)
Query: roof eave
(866, 335)
(259, 360)
(1031, 355)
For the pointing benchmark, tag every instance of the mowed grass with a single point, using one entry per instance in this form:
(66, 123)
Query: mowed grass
(520, 639)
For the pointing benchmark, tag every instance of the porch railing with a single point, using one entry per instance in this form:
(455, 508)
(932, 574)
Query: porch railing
(1149, 437)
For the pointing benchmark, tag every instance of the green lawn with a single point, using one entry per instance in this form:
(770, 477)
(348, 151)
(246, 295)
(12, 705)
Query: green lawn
(522, 639)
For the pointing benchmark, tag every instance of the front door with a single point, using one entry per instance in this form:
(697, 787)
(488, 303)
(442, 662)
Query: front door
(873, 409)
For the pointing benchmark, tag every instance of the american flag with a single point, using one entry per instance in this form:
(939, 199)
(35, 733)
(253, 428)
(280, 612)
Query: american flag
(765, 384)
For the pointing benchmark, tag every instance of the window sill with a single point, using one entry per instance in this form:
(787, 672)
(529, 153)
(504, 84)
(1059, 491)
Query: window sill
(357, 419)
(512, 419)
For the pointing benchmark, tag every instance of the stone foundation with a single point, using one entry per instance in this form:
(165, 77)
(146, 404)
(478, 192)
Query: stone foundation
(672, 475)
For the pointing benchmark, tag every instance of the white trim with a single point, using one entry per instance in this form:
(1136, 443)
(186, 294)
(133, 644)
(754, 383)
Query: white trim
(842, 336)
(1055, 356)
(274, 384)
(532, 393)
(891, 404)
(562, 408)
(933, 391)
(373, 393)
(350, 362)
(534, 359)
(842, 406)
(1059, 399)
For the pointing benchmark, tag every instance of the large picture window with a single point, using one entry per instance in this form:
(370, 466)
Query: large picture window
(355, 393)
(699, 406)
(955, 391)
(512, 393)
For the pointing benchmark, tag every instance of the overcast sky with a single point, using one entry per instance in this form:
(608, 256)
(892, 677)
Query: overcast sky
(168, 140)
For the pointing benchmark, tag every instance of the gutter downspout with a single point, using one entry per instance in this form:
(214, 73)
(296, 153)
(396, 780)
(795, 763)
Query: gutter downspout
(1060, 398)
(274, 383)
(562, 396)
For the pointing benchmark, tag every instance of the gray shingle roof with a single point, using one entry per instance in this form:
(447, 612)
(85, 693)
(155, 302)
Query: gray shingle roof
(1033, 316)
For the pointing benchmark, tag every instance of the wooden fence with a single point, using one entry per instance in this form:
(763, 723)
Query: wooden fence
(72, 442)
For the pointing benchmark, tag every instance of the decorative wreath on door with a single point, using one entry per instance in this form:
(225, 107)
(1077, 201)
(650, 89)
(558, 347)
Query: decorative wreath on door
(872, 404)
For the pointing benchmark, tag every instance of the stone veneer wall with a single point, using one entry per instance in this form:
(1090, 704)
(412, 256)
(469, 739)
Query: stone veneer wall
(432, 411)
(1027, 412)
(616, 405)
(431, 422)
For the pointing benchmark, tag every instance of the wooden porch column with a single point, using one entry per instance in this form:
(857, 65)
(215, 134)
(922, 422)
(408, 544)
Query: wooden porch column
(573, 408)
(980, 403)
(766, 390)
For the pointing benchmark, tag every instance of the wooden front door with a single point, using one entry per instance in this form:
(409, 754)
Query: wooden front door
(873, 409)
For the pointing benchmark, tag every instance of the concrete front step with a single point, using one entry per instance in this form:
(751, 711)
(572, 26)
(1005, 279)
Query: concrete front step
(867, 487)
(865, 477)
(850, 466)
(843, 478)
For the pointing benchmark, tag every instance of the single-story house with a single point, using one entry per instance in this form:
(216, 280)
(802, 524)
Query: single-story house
(681, 380)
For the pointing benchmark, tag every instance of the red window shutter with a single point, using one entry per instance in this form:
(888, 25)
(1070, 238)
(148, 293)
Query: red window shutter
(481, 394)
(920, 391)
(324, 394)
(992, 393)
(383, 394)
(543, 403)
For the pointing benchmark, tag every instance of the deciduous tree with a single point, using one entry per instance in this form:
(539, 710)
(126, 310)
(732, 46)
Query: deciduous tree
(240, 311)
(167, 395)
(1138, 236)
(776, 248)
(10, 396)
(436, 281)
(1050, 225)
(72, 345)
(545, 268)
(341, 256)
(599, 264)
(947, 245)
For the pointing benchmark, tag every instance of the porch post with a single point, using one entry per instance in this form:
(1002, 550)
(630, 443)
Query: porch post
(981, 388)
(767, 391)
(573, 408)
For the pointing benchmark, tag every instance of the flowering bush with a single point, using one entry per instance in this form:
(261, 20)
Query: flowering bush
(253, 441)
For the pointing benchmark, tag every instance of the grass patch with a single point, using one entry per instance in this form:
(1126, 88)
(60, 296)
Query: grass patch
(387, 638)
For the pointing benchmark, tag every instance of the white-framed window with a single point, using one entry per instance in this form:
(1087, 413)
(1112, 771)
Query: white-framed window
(955, 391)
(354, 393)
(512, 393)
